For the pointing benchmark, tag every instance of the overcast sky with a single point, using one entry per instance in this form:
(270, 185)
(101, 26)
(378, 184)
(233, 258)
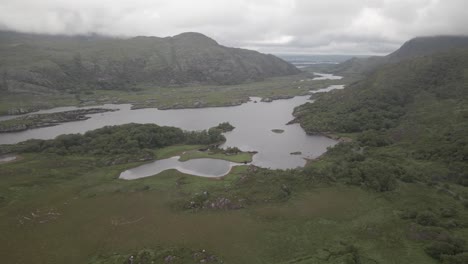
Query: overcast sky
(273, 26)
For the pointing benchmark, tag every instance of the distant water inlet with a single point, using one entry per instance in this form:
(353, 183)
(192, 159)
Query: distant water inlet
(326, 76)
(328, 89)
(197, 167)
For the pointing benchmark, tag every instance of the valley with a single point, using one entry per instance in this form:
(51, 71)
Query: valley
(303, 168)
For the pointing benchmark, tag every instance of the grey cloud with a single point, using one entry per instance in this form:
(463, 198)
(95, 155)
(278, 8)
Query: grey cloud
(274, 26)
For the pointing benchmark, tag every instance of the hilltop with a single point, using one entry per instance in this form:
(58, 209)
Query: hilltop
(36, 63)
(416, 47)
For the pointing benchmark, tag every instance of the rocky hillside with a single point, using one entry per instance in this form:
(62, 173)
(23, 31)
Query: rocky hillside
(46, 63)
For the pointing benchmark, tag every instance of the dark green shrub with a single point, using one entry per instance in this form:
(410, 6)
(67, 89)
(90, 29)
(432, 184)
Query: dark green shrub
(439, 248)
(427, 218)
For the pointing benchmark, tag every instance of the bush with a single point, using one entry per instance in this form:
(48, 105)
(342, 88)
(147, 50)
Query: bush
(408, 214)
(373, 138)
(448, 212)
(426, 218)
(225, 127)
(439, 248)
(461, 258)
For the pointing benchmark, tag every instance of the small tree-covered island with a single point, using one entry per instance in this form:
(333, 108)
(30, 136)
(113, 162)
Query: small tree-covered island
(388, 185)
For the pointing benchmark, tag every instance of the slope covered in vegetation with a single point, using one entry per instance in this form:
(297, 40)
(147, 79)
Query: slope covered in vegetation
(46, 63)
(416, 47)
(395, 194)
(409, 123)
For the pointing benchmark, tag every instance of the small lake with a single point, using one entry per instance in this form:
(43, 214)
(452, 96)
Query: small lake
(4, 159)
(197, 167)
(253, 122)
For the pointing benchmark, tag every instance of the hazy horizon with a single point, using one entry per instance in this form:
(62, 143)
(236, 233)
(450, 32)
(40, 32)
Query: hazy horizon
(280, 26)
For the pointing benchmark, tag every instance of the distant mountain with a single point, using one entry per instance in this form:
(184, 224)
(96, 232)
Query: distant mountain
(417, 47)
(47, 63)
(422, 46)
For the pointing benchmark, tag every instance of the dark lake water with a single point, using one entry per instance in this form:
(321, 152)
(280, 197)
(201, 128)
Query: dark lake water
(253, 122)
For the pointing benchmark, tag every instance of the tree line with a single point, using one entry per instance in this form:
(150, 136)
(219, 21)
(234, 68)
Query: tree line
(124, 139)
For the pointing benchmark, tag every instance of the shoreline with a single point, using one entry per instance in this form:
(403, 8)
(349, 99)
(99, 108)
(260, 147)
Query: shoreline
(136, 106)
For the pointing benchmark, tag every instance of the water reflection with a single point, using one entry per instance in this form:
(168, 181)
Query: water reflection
(253, 123)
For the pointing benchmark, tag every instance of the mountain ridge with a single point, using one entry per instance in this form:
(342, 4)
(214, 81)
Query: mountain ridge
(428, 45)
(415, 47)
(50, 63)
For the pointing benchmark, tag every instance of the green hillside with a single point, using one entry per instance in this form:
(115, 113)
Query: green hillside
(417, 108)
(409, 124)
(416, 47)
(47, 63)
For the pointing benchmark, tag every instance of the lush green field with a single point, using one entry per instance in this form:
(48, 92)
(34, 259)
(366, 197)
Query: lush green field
(72, 209)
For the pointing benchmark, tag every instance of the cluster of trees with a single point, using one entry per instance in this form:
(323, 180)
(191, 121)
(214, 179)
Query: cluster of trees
(334, 113)
(367, 163)
(225, 127)
(440, 244)
(123, 139)
(349, 163)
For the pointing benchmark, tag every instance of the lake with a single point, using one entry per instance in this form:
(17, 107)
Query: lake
(197, 167)
(253, 122)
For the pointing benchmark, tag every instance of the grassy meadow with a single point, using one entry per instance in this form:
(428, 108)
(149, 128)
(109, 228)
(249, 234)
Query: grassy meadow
(69, 209)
